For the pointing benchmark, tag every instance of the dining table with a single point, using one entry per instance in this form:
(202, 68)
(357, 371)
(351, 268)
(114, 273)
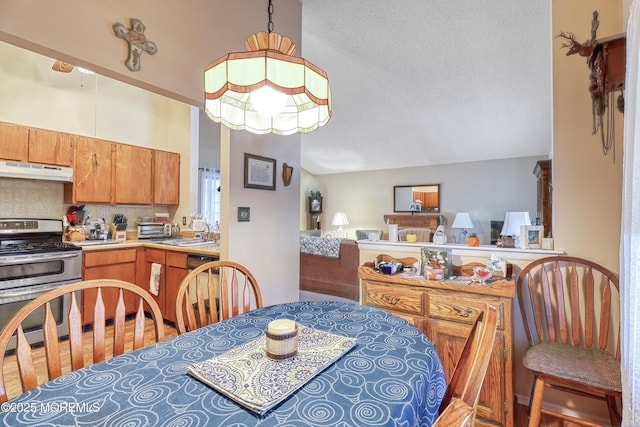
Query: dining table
(388, 374)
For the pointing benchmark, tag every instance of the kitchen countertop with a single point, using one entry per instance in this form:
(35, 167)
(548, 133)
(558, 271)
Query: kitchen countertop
(192, 246)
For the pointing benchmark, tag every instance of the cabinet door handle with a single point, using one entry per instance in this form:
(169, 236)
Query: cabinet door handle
(391, 300)
(462, 312)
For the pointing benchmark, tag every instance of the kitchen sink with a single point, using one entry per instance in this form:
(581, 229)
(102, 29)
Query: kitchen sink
(186, 242)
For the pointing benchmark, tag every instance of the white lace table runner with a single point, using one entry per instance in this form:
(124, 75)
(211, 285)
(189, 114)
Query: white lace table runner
(246, 375)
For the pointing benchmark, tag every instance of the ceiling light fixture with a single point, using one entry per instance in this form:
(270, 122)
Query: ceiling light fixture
(293, 95)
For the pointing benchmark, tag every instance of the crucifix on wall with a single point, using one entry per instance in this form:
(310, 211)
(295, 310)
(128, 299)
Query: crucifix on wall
(137, 41)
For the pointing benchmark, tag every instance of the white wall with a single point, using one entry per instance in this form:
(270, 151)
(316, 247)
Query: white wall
(269, 243)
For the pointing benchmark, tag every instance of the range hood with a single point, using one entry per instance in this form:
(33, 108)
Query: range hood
(12, 169)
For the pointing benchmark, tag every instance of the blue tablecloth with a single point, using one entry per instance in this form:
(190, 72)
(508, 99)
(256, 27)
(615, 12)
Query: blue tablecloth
(393, 377)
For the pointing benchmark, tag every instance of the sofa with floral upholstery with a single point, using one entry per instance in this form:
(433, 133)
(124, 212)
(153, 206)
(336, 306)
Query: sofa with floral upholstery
(329, 266)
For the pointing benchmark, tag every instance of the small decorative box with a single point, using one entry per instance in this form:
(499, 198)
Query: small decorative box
(282, 339)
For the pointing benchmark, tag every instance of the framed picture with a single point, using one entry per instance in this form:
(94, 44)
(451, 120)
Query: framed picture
(531, 236)
(244, 214)
(259, 172)
(496, 227)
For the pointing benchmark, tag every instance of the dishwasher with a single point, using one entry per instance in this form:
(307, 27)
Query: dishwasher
(196, 260)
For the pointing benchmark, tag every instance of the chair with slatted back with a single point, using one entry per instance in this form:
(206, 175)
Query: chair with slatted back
(111, 333)
(472, 365)
(570, 307)
(235, 288)
(457, 414)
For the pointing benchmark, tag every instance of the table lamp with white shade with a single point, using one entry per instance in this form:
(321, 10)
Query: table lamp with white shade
(340, 219)
(463, 221)
(511, 227)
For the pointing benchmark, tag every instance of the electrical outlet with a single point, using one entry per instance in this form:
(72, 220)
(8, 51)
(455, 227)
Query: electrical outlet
(184, 220)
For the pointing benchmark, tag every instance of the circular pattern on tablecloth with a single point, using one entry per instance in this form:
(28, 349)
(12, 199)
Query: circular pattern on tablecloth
(391, 377)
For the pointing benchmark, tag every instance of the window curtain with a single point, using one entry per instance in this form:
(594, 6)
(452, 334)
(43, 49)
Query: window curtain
(630, 238)
(209, 203)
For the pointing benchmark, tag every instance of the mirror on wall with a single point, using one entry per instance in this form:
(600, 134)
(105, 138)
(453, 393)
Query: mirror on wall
(416, 198)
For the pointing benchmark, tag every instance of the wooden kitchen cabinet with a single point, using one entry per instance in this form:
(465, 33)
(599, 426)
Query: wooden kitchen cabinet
(25, 144)
(445, 311)
(176, 271)
(173, 269)
(117, 264)
(133, 175)
(14, 142)
(153, 256)
(50, 147)
(166, 178)
(92, 172)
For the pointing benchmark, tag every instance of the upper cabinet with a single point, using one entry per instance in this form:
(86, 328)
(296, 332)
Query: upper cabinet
(92, 172)
(166, 178)
(133, 166)
(14, 142)
(26, 144)
(103, 171)
(50, 147)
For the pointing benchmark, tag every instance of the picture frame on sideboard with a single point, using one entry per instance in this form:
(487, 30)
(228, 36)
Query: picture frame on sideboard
(531, 236)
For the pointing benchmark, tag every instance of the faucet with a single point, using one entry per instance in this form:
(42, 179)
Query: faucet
(205, 235)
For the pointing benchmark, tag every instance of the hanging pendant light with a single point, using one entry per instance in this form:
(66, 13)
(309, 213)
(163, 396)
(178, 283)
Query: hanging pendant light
(267, 89)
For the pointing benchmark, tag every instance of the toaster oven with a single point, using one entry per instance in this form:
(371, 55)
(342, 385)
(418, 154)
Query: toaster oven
(154, 230)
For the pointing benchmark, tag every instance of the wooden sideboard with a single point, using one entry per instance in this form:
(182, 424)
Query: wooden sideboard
(444, 311)
(419, 220)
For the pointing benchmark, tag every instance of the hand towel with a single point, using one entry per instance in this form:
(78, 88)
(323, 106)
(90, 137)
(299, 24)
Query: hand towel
(154, 280)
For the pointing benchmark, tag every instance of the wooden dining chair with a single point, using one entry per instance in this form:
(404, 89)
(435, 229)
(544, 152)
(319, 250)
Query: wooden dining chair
(111, 335)
(472, 365)
(570, 307)
(236, 291)
(457, 414)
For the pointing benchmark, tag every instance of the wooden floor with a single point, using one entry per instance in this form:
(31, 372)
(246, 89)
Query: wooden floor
(12, 380)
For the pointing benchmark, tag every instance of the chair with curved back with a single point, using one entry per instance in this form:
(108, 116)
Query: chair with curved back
(570, 310)
(457, 414)
(114, 300)
(235, 288)
(471, 368)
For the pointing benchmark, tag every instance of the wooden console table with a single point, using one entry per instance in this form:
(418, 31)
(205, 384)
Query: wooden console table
(444, 311)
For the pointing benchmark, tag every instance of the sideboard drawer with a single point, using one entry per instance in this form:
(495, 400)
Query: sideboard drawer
(463, 309)
(392, 298)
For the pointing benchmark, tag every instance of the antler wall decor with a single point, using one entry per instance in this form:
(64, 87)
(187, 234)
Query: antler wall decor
(606, 60)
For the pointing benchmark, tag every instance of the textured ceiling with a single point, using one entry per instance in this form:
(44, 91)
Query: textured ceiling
(426, 82)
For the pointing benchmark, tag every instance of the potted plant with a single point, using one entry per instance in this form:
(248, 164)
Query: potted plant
(473, 240)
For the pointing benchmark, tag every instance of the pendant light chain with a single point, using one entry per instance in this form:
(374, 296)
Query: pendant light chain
(270, 12)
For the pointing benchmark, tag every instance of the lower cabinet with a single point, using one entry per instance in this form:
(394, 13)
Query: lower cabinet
(173, 268)
(444, 312)
(176, 271)
(117, 264)
(149, 257)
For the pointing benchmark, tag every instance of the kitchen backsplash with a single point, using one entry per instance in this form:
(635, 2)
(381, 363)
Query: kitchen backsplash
(25, 198)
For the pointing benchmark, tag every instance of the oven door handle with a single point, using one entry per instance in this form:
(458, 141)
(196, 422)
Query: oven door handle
(36, 258)
(26, 291)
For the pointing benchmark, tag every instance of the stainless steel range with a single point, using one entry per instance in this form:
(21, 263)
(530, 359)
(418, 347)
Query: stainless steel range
(33, 260)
